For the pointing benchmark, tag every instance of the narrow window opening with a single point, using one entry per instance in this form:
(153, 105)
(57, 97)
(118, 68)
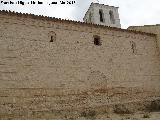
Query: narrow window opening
(101, 15)
(111, 17)
(51, 39)
(97, 40)
(52, 36)
(133, 47)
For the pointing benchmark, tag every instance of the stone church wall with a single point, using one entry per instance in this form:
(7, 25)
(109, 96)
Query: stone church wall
(93, 16)
(53, 65)
(149, 29)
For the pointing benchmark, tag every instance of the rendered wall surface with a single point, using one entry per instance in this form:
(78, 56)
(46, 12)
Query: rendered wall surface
(71, 73)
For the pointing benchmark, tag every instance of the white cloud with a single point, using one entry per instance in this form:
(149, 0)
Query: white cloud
(137, 12)
(57, 10)
(132, 12)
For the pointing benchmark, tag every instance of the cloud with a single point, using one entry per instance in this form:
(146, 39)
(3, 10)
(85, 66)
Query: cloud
(80, 9)
(57, 10)
(138, 12)
(132, 12)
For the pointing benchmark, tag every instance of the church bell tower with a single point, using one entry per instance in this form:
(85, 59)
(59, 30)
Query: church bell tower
(103, 15)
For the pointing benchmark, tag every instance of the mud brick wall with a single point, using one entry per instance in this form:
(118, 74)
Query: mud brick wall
(71, 73)
(149, 29)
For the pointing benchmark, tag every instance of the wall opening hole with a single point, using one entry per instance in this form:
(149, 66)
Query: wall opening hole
(52, 36)
(97, 40)
(101, 15)
(133, 47)
(51, 39)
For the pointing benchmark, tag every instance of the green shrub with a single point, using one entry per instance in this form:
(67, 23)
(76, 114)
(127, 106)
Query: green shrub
(146, 115)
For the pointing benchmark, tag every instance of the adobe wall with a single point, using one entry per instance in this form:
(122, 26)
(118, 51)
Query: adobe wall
(38, 77)
(149, 29)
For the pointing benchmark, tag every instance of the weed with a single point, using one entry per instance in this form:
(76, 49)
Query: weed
(146, 115)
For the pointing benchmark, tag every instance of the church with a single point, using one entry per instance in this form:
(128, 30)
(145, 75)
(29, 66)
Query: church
(51, 67)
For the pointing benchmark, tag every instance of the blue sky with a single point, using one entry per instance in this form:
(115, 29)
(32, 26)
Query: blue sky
(132, 12)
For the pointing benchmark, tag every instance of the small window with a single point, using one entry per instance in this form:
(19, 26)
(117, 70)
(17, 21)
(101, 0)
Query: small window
(51, 39)
(97, 40)
(133, 47)
(52, 36)
(101, 15)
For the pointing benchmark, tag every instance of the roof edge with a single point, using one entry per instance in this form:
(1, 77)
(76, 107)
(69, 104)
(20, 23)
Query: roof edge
(103, 5)
(144, 25)
(71, 21)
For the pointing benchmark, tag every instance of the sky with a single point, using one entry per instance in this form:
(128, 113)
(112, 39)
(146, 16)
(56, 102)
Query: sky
(131, 12)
